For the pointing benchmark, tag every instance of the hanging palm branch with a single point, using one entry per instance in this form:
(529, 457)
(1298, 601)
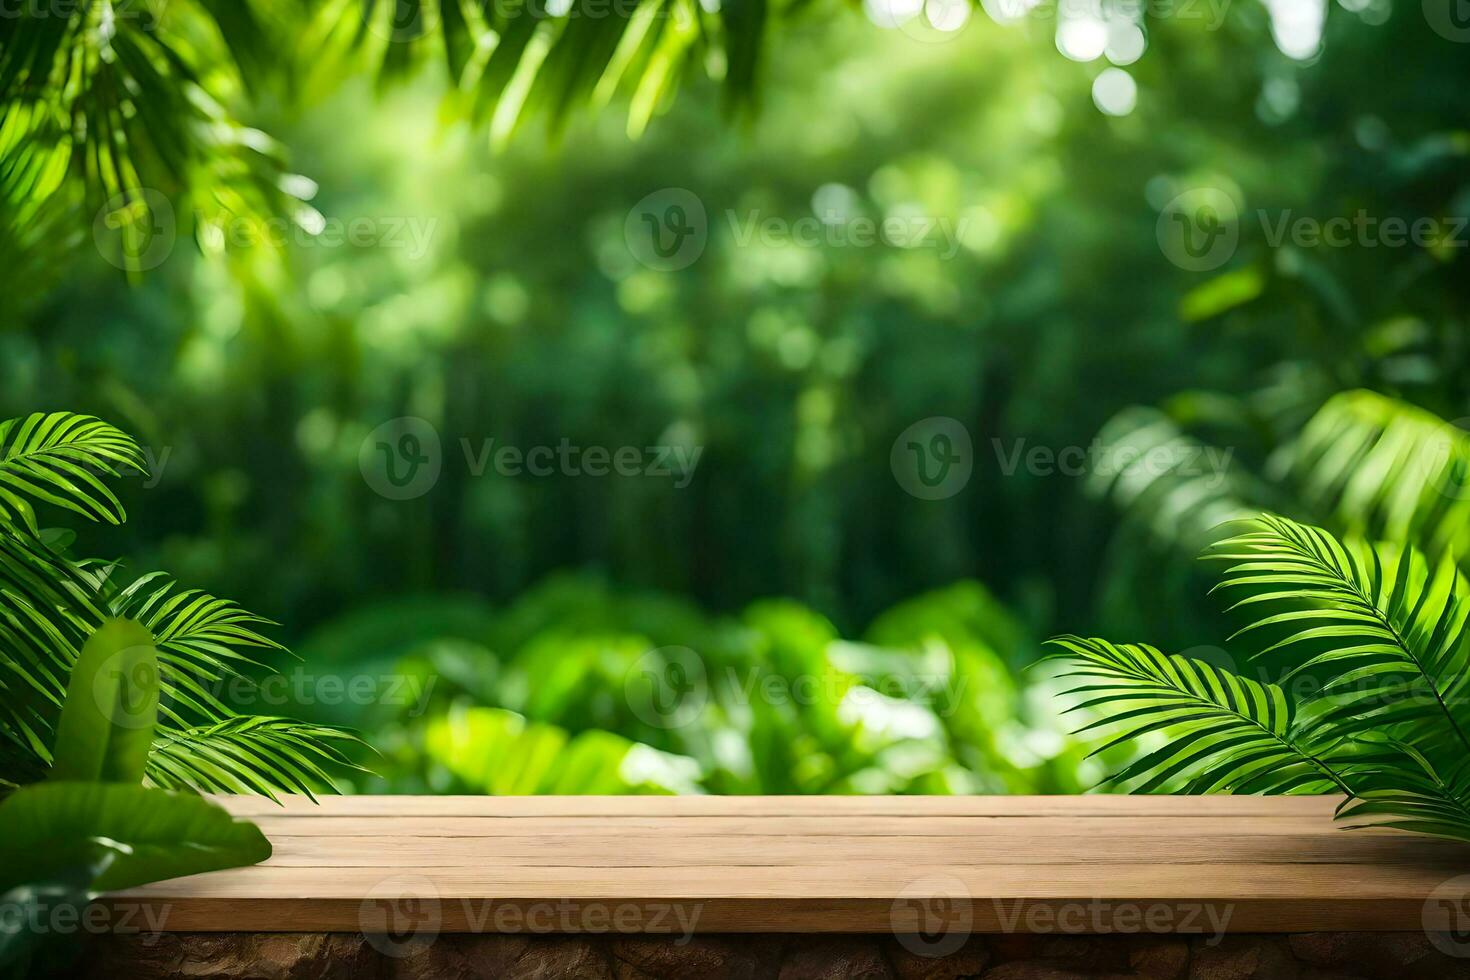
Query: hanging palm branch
(125, 119)
(125, 116)
(50, 604)
(1365, 656)
(513, 59)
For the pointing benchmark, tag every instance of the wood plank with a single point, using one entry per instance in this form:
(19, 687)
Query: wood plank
(1062, 864)
(682, 827)
(1090, 805)
(532, 850)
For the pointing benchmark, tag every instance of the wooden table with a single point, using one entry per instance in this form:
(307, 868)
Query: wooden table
(807, 864)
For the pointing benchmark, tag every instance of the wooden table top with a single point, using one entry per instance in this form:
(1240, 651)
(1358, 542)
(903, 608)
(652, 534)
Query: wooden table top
(817, 864)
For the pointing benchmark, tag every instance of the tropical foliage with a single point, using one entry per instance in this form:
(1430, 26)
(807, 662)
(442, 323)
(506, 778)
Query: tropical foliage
(51, 604)
(497, 298)
(1364, 464)
(579, 688)
(132, 111)
(1363, 654)
(92, 826)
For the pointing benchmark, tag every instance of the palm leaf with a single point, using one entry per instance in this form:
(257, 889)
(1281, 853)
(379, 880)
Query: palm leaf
(1384, 469)
(200, 639)
(59, 459)
(1225, 732)
(255, 754)
(50, 605)
(1383, 630)
(1379, 631)
(516, 60)
(1396, 785)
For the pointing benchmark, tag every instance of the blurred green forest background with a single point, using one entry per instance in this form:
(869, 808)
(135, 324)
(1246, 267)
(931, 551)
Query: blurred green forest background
(793, 619)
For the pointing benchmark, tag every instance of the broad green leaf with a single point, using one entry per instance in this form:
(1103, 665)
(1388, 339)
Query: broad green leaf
(111, 707)
(118, 836)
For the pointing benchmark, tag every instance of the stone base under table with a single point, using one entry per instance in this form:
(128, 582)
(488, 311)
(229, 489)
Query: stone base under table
(326, 956)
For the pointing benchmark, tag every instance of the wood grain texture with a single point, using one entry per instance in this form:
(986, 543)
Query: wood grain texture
(802, 864)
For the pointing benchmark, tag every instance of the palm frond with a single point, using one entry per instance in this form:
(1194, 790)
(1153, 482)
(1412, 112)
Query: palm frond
(1384, 631)
(1384, 469)
(1226, 732)
(59, 459)
(122, 116)
(50, 604)
(201, 641)
(508, 62)
(1380, 636)
(254, 754)
(1396, 785)
(39, 211)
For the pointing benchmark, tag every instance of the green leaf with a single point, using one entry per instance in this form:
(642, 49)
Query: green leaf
(111, 707)
(490, 750)
(250, 754)
(59, 458)
(119, 836)
(1385, 632)
(1383, 468)
(1222, 731)
(1223, 293)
